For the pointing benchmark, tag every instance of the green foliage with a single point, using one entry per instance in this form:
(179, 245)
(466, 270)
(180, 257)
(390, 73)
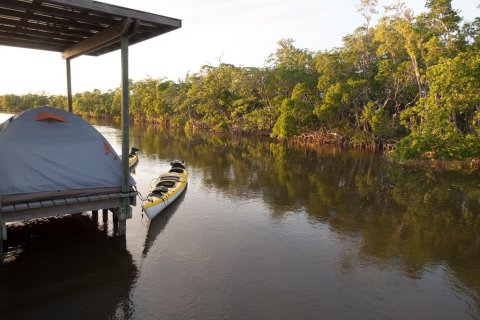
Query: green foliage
(13, 103)
(377, 121)
(452, 147)
(445, 121)
(285, 125)
(331, 106)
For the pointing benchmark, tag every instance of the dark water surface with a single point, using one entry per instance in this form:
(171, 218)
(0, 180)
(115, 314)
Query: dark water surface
(264, 231)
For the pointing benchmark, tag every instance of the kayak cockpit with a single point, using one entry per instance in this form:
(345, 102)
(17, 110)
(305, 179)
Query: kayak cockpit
(162, 187)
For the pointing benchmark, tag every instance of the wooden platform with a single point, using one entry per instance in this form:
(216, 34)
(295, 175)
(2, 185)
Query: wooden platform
(58, 207)
(118, 203)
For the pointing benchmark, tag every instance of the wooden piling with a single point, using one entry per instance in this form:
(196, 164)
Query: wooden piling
(95, 216)
(115, 222)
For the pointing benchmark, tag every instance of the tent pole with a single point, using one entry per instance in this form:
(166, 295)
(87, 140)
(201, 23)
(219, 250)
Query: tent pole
(69, 86)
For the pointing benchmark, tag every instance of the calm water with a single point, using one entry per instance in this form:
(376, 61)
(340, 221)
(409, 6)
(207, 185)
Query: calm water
(264, 231)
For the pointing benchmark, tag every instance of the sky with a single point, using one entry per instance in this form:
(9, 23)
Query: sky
(240, 32)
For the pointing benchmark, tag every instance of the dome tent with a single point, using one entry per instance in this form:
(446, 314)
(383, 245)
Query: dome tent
(48, 153)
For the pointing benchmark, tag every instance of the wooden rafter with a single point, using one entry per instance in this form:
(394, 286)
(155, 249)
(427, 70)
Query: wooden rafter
(53, 11)
(98, 41)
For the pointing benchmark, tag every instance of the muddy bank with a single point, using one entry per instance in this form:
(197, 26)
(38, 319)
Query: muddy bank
(318, 138)
(339, 139)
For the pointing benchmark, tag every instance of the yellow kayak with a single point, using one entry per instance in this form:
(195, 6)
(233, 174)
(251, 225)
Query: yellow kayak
(133, 159)
(166, 188)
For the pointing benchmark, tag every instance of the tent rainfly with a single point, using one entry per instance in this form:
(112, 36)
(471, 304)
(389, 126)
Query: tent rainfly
(48, 154)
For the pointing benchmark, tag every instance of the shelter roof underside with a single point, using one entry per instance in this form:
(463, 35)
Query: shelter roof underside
(60, 25)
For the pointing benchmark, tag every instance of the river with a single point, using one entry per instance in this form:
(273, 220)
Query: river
(265, 230)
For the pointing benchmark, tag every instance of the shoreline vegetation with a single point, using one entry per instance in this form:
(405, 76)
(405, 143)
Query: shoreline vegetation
(408, 86)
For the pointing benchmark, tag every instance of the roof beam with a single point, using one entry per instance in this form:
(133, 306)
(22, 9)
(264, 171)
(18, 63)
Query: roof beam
(17, 30)
(98, 41)
(27, 44)
(34, 39)
(49, 19)
(49, 10)
(9, 23)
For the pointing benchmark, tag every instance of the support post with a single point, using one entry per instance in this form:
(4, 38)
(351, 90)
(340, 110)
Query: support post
(115, 223)
(124, 210)
(125, 115)
(95, 216)
(69, 87)
(105, 220)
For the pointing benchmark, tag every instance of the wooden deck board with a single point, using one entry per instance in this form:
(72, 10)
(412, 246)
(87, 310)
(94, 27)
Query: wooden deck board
(59, 202)
(93, 198)
(9, 208)
(104, 197)
(71, 201)
(47, 203)
(34, 205)
(21, 206)
(82, 199)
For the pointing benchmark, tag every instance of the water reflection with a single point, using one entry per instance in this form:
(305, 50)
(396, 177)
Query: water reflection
(342, 227)
(157, 225)
(65, 268)
(413, 219)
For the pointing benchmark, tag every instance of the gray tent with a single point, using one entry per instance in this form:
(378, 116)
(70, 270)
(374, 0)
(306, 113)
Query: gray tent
(47, 153)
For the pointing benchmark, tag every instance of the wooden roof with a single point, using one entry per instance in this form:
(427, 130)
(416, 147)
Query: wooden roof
(76, 27)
